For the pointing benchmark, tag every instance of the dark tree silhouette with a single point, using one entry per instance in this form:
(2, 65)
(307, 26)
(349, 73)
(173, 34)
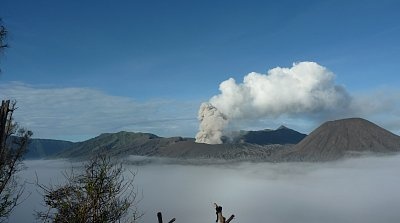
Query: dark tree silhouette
(160, 219)
(3, 34)
(220, 217)
(98, 193)
(12, 149)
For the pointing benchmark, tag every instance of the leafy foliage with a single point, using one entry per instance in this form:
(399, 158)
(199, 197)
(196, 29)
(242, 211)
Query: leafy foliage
(99, 193)
(12, 150)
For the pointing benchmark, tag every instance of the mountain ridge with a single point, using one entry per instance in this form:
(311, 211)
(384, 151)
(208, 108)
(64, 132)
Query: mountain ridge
(330, 141)
(282, 135)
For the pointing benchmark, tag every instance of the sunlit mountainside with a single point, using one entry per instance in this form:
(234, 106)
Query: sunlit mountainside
(332, 140)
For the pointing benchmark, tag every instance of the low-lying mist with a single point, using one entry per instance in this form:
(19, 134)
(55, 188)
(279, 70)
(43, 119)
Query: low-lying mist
(354, 190)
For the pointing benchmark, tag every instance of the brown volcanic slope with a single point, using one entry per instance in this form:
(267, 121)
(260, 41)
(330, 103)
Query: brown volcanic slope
(335, 139)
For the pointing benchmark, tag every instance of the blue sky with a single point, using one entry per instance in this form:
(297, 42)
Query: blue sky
(161, 59)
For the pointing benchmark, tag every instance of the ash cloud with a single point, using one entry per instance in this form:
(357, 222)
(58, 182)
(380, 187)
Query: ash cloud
(212, 123)
(305, 88)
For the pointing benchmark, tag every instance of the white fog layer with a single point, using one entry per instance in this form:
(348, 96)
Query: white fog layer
(363, 190)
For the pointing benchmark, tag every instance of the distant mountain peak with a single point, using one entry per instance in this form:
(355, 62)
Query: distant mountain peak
(334, 139)
(282, 127)
(270, 136)
(265, 130)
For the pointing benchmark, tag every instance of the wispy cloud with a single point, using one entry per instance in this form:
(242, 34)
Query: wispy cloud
(81, 113)
(78, 113)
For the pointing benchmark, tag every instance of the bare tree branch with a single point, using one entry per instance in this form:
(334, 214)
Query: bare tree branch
(3, 35)
(159, 217)
(13, 146)
(220, 217)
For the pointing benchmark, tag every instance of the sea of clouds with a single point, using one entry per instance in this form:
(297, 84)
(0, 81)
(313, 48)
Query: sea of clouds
(353, 190)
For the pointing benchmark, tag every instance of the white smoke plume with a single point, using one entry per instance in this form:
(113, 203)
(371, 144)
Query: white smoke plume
(212, 123)
(304, 88)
